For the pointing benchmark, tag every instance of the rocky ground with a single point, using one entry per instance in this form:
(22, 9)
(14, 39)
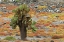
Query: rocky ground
(49, 22)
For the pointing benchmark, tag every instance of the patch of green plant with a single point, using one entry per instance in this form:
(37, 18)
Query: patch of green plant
(33, 23)
(34, 28)
(10, 38)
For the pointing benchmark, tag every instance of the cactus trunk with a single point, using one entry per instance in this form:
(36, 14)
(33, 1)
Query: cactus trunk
(23, 31)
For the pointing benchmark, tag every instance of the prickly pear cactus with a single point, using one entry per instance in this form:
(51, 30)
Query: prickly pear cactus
(19, 12)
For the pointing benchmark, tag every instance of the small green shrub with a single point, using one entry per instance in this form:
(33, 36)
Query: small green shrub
(10, 38)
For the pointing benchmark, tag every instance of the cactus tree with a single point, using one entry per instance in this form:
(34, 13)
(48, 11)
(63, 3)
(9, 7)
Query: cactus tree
(21, 18)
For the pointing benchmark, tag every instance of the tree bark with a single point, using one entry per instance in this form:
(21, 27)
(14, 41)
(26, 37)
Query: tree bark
(23, 31)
